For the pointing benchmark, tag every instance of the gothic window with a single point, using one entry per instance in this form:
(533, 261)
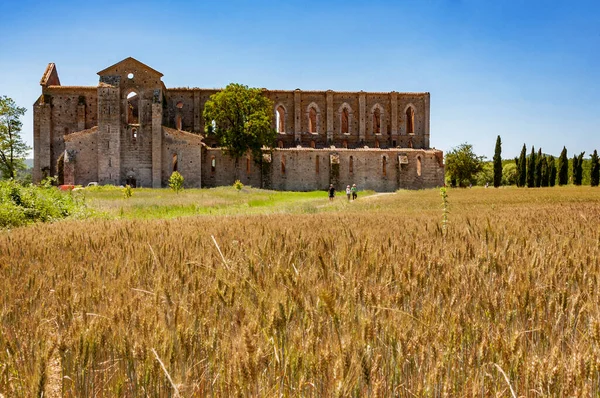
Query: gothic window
(133, 108)
(280, 119)
(174, 162)
(134, 136)
(213, 164)
(345, 121)
(178, 122)
(312, 120)
(419, 166)
(410, 120)
(282, 164)
(384, 166)
(377, 121)
(351, 165)
(247, 165)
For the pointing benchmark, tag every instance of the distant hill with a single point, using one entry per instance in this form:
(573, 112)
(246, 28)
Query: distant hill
(29, 163)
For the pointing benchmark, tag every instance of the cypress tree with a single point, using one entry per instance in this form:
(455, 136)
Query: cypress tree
(531, 169)
(522, 177)
(545, 180)
(578, 172)
(538, 169)
(574, 170)
(498, 163)
(563, 168)
(551, 171)
(595, 170)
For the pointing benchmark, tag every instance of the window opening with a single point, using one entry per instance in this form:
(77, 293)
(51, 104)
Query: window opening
(280, 119)
(130, 75)
(213, 164)
(345, 118)
(178, 122)
(410, 120)
(351, 165)
(282, 164)
(419, 166)
(384, 166)
(247, 165)
(394, 143)
(175, 162)
(376, 143)
(317, 164)
(134, 135)
(377, 121)
(133, 108)
(280, 144)
(345, 144)
(312, 144)
(312, 120)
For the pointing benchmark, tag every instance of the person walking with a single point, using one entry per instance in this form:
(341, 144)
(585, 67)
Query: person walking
(331, 192)
(348, 192)
(354, 191)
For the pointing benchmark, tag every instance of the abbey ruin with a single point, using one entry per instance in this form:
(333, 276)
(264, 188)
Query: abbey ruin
(131, 129)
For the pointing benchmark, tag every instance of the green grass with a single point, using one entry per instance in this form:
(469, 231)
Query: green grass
(147, 203)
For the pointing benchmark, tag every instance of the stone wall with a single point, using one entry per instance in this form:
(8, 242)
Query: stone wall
(182, 151)
(81, 162)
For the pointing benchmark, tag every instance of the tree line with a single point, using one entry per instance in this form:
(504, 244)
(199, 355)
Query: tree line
(464, 167)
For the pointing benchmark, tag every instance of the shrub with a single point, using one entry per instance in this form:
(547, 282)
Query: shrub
(127, 191)
(238, 185)
(176, 182)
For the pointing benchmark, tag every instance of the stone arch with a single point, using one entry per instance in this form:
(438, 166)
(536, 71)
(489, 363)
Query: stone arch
(377, 121)
(345, 117)
(409, 113)
(419, 166)
(280, 116)
(313, 118)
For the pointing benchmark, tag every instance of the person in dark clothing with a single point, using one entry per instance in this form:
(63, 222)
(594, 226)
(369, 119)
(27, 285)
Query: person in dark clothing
(331, 192)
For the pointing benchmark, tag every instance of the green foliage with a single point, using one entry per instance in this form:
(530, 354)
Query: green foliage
(462, 164)
(595, 170)
(127, 191)
(551, 171)
(12, 147)
(498, 163)
(486, 175)
(510, 174)
(242, 119)
(531, 169)
(538, 169)
(522, 167)
(238, 185)
(563, 168)
(176, 182)
(21, 205)
(577, 168)
(544, 172)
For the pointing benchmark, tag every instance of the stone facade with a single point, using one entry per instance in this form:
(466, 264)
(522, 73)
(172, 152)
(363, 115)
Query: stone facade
(132, 129)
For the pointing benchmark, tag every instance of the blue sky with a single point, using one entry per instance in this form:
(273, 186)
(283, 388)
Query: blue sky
(526, 70)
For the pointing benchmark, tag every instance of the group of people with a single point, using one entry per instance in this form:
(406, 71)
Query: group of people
(350, 192)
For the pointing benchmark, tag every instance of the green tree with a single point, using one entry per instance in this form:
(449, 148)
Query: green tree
(13, 149)
(538, 169)
(574, 170)
(498, 163)
(462, 164)
(176, 182)
(545, 178)
(522, 167)
(551, 171)
(240, 118)
(595, 170)
(578, 168)
(531, 169)
(510, 174)
(563, 168)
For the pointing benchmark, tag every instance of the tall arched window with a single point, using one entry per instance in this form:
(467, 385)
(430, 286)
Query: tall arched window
(377, 121)
(410, 120)
(345, 121)
(282, 164)
(134, 136)
(174, 163)
(248, 165)
(351, 165)
(178, 122)
(384, 166)
(213, 164)
(312, 120)
(317, 164)
(280, 119)
(419, 166)
(133, 108)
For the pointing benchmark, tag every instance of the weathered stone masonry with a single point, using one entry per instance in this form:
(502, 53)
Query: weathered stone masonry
(132, 129)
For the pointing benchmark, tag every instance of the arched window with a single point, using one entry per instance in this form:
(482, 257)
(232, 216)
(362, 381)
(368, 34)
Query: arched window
(134, 136)
(419, 166)
(312, 144)
(345, 144)
(345, 121)
(410, 120)
(282, 164)
(384, 166)
(280, 144)
(174, 163)
(213, 164)
(312, 120)
(351, 165)
(248, 165)
(376, 143)
(280, 119)
(376, 121)
(178, 122)
(317, 164)
(132, 108)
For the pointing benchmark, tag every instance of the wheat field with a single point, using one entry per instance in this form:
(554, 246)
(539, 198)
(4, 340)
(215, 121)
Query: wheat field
(371, 298)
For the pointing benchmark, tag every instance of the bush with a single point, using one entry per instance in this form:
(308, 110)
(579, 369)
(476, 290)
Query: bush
(510, 174)
(21, 205)
(238, 185)
(176, 181)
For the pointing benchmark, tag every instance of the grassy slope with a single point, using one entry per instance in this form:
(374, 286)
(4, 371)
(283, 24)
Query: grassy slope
(367, 297)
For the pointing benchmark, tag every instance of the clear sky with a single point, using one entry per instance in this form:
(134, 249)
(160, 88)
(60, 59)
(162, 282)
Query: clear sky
(526, 70)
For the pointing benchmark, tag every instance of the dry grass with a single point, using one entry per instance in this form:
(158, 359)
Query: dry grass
(369, 299)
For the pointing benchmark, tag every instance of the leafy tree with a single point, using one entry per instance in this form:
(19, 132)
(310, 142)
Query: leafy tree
(241, 120)
(462, 164)
(578, 168)
(563, 168)
(498, 163)
(485, 175)
(545, 178)
(176, 182)
(522, 167)
(12, 147)
(595, 170)
(510, 174)
(538, 169)
(551, 171)
(531, 169)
